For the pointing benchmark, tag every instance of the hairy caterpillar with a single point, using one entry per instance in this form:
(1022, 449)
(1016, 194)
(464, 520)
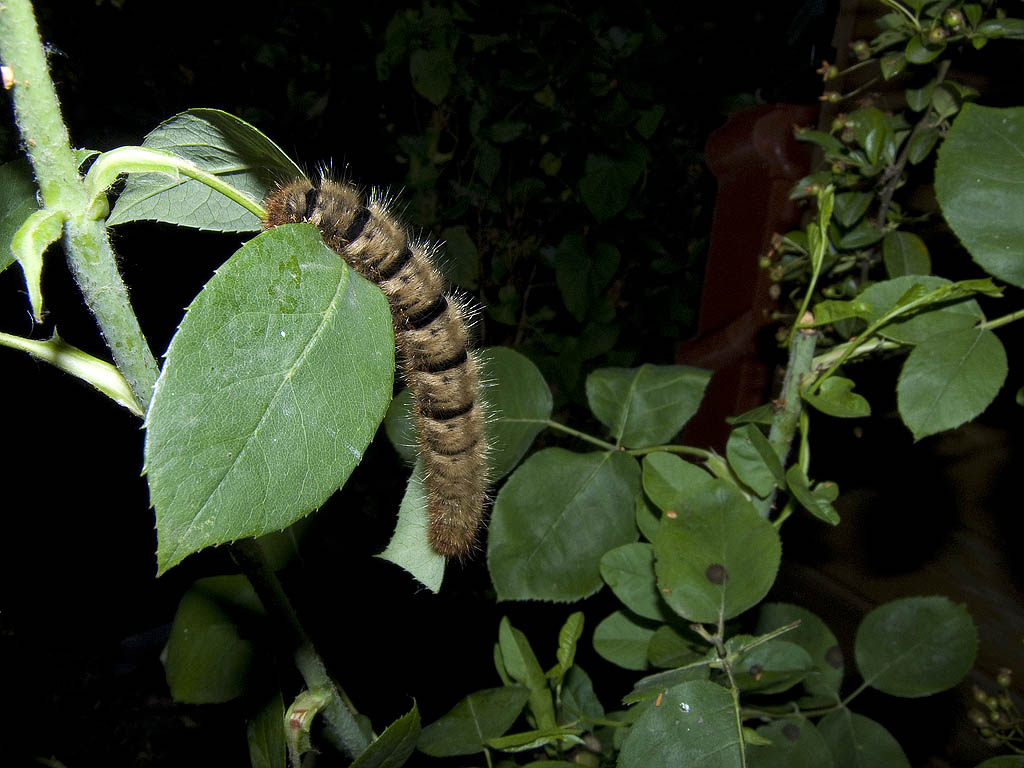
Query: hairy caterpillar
(431, 338)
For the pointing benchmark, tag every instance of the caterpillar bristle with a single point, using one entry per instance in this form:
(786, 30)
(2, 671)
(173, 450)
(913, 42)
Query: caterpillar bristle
(431, 338)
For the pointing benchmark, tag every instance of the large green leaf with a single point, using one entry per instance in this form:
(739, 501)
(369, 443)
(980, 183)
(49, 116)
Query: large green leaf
(915, 328)
(717, 559)
(217, 142)
(647, 405)
(623, 639)
(857, 742)
(468, 726)
(949, 379)
(669, 481)
(794, 742)
(814, 637)
(916, 646)
(978, 184)
(209, 657)
(553, 520)
(271, 390)
(693, 724)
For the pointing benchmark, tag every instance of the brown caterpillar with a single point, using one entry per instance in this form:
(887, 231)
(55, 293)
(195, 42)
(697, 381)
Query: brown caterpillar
(431, 338)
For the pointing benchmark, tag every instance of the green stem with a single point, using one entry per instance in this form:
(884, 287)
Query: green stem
(581, 435)
(988, 325)
(698, 453)
(49, 149)
(340, 714)
(790, 403)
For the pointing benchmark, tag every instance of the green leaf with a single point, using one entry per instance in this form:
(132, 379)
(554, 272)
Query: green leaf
(669, 649)
(581, 276)
(669, 480)
(393, 747)
(35, 235)
(265, 734)
(892, 64)
(918, 99)
(479, 717)
(794, 742)
(837, 398)
(814, 637)
(208, 656)
(629, 571)
(461, 264)
(883, 297)
(920, 52)
(905, 253)
(857, 742)
(831, 311)
(1012, 29)
(694, 725)
(772, 667)
(518, 402)
(826, 141)
(568, 637)
(216, 142)
(536, 739)
(920, 146)
(850, 206)
(648, 405)
(522, 666)
(861, 236)
(432, 73)
(949, 379)
(977, 183)
(559, 502)
(819, 501)
(916, 646)
(578, 699)
(718, 558)
(870, 131)
(17, 203)
(753, 460)
(516, 399)
(400, 427)
(623, 640)
(1003, 761)
(607, 182)
(58, 353)
(409, 547)
(271, 390)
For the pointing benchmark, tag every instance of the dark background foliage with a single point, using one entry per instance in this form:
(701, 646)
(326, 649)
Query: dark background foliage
(489, 119)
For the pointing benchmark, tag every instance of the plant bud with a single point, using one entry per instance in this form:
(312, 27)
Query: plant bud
(953, 19)
(1005, 677)
(936, 35)
(860, 49)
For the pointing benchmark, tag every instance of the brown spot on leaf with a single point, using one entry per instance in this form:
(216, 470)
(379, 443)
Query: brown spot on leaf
(756, 670)
(715, 573)
(791, 731)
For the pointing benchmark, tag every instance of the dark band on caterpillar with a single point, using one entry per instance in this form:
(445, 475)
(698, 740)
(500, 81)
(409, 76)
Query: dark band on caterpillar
(431, 340)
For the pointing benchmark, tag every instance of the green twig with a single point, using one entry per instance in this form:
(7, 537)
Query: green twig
(46, 142)
(340, 714)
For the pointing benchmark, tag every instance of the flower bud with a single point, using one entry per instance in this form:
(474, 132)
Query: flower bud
(832, 97)
(936, 35)
(1005, 677)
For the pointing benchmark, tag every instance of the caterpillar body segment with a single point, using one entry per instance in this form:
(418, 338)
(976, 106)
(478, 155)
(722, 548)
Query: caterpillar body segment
(431, 339)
